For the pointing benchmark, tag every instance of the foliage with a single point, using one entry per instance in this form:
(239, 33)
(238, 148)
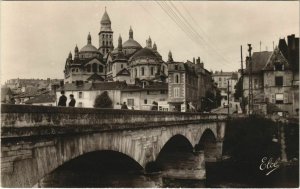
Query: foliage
(103, 101)
(250, 139)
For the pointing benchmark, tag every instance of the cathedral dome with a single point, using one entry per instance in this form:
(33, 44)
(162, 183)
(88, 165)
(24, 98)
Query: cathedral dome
(131, 43)
(144, 53)
(89, 48)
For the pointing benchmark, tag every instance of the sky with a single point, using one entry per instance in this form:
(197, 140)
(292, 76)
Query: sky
(37, 36)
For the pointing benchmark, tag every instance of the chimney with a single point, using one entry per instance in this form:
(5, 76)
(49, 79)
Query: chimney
(202, 65)
(193, 60)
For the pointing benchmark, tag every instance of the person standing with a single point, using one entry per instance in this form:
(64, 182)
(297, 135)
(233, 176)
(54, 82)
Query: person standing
(62, 99)
(72, 101)
(124, 106)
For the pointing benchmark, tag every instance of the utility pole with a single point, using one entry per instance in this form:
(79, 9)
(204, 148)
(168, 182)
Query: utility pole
(242, 79)
(250, 104)
(228, 96)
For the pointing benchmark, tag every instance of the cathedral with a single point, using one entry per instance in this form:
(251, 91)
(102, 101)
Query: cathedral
(133, 74)
(129, 61)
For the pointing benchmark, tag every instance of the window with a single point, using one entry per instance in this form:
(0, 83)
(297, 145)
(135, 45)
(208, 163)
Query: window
(176, 92)
(163, 92)
(145, 101)
(100, 68)
(143, 70)
(279, 81)
(152, 70)
(176, 67)
(80, 95)
(103, 43)
(130, 102)
(278, 67)
(106, 42)
(76, 69)
(121, 66)
(94, 67)
(279, 98)
(220, 79)
(176, 78)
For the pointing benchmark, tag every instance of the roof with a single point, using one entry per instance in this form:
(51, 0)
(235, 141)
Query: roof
(120, 57)
(277, 58)
(153, 87)
(5, 91)
(43, 98)
(131, 44)
(95, 77)
(105, 18)
(89, 48)
(144, 53)
(259, 60)
(93, 86)
(124, 72)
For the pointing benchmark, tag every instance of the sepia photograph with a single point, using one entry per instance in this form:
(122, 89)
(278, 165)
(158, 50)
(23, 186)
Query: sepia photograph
(149, 94)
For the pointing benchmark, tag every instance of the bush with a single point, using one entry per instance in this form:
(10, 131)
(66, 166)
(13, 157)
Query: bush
(103, 101)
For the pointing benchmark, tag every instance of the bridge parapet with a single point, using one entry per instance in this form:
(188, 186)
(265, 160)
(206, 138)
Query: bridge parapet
(27, 120)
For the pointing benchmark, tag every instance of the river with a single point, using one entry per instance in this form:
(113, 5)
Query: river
(218, 175)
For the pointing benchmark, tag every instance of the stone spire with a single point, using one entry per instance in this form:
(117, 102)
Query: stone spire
(170, 58)
(76, 56)
(154, 47)
(105, 18)
(130, 33)
(149, 43)
(70, 56)
(89, 39)
(120, 43)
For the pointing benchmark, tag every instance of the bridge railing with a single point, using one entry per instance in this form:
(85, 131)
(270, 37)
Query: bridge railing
(28, 116)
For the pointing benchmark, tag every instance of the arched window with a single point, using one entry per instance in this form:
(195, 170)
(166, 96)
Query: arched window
(100, 68)
(152, 70)
(106, 42)
(176, 78)
(88, 68)
(94, 67)
(103, 35)
(143, 70)
(103, 43)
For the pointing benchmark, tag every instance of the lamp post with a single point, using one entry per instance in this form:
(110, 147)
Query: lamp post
(228, 96)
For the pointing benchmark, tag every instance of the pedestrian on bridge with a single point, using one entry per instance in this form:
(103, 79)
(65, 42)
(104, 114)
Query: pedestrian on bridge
(73, 101)
(62, 99)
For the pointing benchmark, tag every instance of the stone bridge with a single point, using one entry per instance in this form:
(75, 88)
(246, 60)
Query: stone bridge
(35, 140)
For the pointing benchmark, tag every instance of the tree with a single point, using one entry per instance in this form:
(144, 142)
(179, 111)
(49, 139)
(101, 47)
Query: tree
(103, 101)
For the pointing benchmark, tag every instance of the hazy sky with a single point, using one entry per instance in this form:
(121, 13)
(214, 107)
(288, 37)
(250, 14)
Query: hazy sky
(36, 37)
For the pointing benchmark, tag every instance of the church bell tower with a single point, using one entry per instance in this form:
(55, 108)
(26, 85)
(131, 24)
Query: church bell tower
(105, 35)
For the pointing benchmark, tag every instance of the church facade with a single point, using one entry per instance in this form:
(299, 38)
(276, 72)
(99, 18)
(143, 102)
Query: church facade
(142, 69)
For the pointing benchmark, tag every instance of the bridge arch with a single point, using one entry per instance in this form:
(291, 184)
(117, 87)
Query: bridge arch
(208, 145)
(89, 166)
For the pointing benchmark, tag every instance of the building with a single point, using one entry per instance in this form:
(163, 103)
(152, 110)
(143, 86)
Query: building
(222, 79)
(147, 81)
(275, 78)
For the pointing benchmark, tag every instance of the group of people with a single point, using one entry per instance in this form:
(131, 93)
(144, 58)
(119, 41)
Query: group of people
(63, 100)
